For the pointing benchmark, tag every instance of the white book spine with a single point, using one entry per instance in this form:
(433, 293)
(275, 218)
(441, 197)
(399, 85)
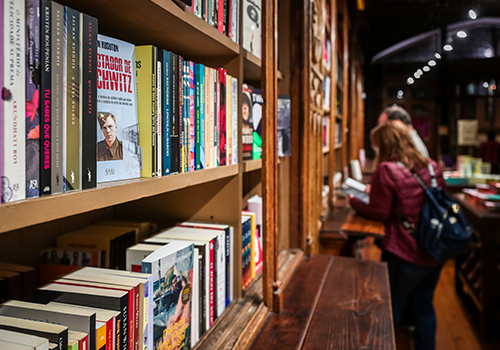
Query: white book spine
(14, 105)
(231, 264)
(159, 126)
(194, 301)
(207, 286)
(221, 274)
(234, 115)
(213, 163)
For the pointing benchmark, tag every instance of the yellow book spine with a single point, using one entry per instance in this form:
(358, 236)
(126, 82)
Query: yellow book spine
(101, 336)
(146, 85)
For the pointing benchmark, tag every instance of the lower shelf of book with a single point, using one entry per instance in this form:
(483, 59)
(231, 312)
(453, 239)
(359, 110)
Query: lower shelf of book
(24, 213)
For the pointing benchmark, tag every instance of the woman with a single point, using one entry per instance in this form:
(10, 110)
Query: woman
(394, 195)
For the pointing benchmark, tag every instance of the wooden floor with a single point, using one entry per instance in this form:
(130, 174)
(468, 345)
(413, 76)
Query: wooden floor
(454, 330)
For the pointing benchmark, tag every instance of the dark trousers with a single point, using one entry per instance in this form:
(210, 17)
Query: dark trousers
(412, 291)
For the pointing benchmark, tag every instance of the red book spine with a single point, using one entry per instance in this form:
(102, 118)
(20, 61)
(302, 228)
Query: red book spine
(217, 112)
(109, 333)
(83, 344)
(131, 319)
(212, 282)
(220, 16)
(136, 316)
(221, 87)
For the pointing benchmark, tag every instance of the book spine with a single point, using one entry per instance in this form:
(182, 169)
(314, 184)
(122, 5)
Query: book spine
(192, 117)
(145, 101)
(130, 321)
(159, 115)
(137, 318)
(88, 115)
(154, 115)
(126, 337)
(208, 89)
(220, 15)
(197, 118)
(186, 116)
(57, 97)
(109, 333)
(45, 97)
(221, 274)
(183, 136)
(229, 121)
(228, 267)
(210, 12)
(234, 116)
(202, 117)
(181, 113)
(174, 122)
(222, 116)
(119, 343)
(150, 312)
(218, 116)
(231, 263)
(32, 151)
(84, 343)
(73, 153)
(233, 20)
(204, 10)
(211, 310)
(216, 14)
(213, 119)
(227, 16)
(201, 294)
(14, 101)
(166, 111)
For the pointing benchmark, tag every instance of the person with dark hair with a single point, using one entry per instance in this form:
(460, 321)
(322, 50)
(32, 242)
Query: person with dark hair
(396, 194)
(399, 113)
(110, 148)
(489, 151)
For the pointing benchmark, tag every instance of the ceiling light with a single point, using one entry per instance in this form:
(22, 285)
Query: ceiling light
(416, 75)
(488, 53)
(410, 81)
(485, 85)
(462, 34)
(437, 55)
(472, 14)
(432, 63)
(493, 87)
(447, 47)
(419, 71)
(426, 68)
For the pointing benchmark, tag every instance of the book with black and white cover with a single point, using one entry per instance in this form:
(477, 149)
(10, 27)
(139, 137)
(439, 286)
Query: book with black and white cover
(54, 333)
(13, 103)
(252, 26)
(57, 103)
(37, 343)
(78, 320)
(357, 189)
(88, 104)
(118, 151)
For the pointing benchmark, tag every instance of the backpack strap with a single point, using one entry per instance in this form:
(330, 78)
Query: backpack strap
(419, 180)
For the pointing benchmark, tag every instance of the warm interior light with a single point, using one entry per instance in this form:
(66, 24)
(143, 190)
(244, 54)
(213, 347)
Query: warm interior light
(432, 63)
(416, 75)
(447, 47)
(437, 55)
(419, 71)
(426, 68)
(493, 87)
(462, 34)
(485, 85)
(488, 53)
(410, 81)
(472, 14)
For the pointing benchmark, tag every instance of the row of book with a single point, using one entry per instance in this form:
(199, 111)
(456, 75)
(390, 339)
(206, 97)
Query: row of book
(251, 242)
(220, 14)
(99, 109)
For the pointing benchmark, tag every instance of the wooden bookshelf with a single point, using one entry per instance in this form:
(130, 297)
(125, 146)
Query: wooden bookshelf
(252, 66)
(251, 165)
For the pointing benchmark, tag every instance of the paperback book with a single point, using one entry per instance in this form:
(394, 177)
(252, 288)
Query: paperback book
(118, 151)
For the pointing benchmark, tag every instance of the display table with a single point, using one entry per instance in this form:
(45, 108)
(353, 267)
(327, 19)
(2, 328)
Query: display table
(332, 303)
(477, 273)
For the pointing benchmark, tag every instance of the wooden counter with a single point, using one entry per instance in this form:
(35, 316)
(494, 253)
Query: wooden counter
(477, 272)
(332, 303)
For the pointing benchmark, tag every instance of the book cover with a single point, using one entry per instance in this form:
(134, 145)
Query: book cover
(284, 133)
(32, 98)
(45, 97)
(257, 102)
(192, 117)
(221, 118)
(74, 257)
(72, 130)
(172, 269)
(255, 206)
(167, 110)
(229, 121)
(14, 101)
(234, 21)
(174, 121)
(252, 12)
(247, 123)
(118, 148)
(234, 117)
(57, 83)
(145, 57)
(159, 114)
(88, 103)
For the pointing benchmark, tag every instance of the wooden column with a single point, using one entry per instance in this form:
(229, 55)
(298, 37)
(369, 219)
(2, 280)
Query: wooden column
(270, 284)
(345, 80)
(333, 102)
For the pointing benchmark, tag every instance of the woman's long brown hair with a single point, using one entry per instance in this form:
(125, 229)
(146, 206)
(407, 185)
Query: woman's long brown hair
(393, 141)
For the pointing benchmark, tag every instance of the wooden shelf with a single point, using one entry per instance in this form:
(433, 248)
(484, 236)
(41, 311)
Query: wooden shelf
(338, 116)
(20, 214)
(326, 150)
(161, 23)
(251, 165)
(252, 67)
(338, 146)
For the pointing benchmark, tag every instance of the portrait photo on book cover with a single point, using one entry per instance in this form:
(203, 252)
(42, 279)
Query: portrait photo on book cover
(110, 148)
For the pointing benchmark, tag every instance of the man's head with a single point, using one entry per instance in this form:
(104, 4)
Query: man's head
(107, 122)
(396, 113)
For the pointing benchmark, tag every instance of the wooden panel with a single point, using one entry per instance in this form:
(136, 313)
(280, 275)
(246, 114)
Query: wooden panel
(13, 215)
(288, 329)
(345, 80)
(355, 225)
(354, 309)
(161, 23)
(284, 204)
(252, 165)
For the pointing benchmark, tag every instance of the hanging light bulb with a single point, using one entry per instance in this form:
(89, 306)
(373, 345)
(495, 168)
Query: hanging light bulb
(461, 34)
(448, 47)
(431, 63)
(426, 68)
(472, 14)
(437, 55)
(410, 81)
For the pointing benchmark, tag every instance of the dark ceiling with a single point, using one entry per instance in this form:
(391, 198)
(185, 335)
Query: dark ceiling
(386, 22)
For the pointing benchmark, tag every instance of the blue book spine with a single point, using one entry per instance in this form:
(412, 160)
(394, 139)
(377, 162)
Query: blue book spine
(202, 116)
(166, 81)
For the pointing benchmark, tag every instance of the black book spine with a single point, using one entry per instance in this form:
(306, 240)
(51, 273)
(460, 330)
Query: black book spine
(89, 102)
(174, 112)
(202, 296)
(216, 299)
(45, 96)
(228, 266)
(118, 331)
(180, 99)
(124, 309)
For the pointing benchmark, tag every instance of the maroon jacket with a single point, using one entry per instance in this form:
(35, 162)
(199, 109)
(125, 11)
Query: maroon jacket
(395, 190)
